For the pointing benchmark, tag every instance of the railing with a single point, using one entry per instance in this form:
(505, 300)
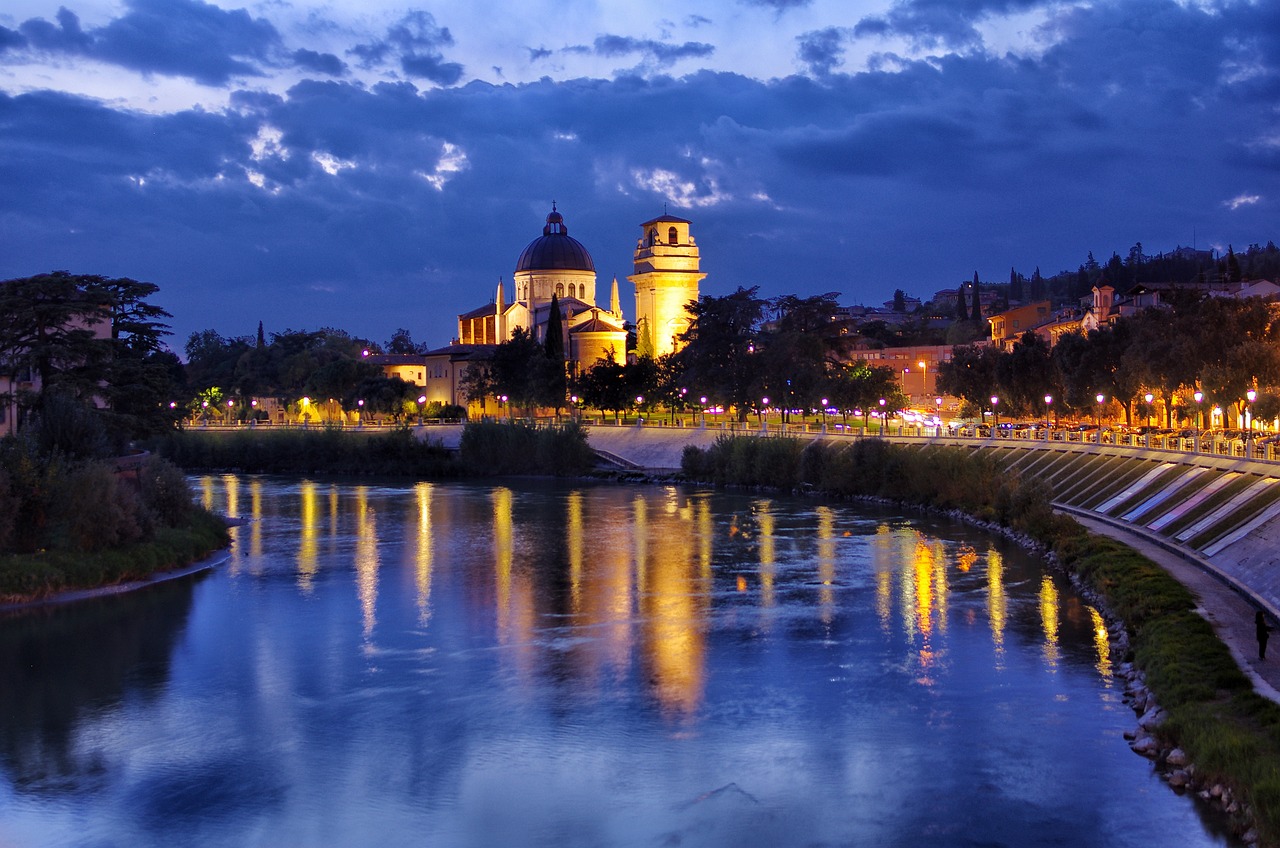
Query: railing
(1204, 444)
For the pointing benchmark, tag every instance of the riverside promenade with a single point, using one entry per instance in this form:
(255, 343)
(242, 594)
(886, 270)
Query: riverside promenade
(1229, 558)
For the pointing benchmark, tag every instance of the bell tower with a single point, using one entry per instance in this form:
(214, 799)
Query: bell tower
(666, 277)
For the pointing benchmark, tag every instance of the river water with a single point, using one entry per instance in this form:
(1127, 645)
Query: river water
(541, 664)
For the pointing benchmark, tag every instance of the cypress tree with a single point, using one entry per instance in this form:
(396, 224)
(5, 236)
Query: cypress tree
(962, 309)
(555, 332)
(975, 312)
(262, 339)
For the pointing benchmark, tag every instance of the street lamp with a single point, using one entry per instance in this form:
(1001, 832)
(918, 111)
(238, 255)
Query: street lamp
(1048, 403)
(884, 417)
(1101, 398)
(703, 401)
(359, 412)
(422, 399)
(1248, 416)
(1149, 397)
(1199, 396)
(995, 415)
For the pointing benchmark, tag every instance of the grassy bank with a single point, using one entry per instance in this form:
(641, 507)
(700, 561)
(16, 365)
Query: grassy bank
(487, 448)
(1230, 733)
(30, 576)
(311, 451)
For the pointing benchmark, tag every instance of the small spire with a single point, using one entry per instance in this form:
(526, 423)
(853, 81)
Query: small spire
(615, 302)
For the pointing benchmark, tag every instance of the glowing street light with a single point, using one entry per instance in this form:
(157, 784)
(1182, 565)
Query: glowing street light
(1252, 396)
(1150, 411)
(1199, 396)
(995, 415)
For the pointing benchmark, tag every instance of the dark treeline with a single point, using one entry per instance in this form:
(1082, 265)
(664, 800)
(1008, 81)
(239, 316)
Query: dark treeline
(487, 448)
(1220, 347)
(1183, 265)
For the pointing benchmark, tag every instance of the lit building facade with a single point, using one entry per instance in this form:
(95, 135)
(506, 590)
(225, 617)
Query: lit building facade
(666, 278)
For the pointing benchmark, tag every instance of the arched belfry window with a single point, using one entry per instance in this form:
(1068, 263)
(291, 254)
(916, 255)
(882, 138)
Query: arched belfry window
(653, 237)
(673, 236)
(560, 290)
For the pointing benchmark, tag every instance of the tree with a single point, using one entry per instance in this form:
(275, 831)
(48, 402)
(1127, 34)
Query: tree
(47, 328)
(975, 311)
(401, 343)
(96, 339)
(860, 386)
(719, 354)
(1025, 375)
(605, 386)
(971, 374)
(899, 300)
(962, 309)
(1015, 285)
(555, 389)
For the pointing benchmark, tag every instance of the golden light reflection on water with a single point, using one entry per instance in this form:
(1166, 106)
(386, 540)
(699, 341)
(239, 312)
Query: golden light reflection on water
(997, 602)
(309, 534)
(576, 541)
(768, 563)
(231, 484)
(423, 561)
(206, 493)
(502, 556)
(366, 559)
(255, 526)
(1101, 643)
(1049, 611)
(705, 531)
(826, 563)
(675, 612)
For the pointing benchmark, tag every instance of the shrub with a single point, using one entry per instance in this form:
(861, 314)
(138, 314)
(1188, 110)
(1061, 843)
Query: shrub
(92, 511)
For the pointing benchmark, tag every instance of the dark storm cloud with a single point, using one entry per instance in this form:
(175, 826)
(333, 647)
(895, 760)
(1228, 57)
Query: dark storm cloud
(186, 38)
(414, 42)
(930, 24)
(422, 198)
(822, 51)
(661, 52)
(11, 39)
(323, 63)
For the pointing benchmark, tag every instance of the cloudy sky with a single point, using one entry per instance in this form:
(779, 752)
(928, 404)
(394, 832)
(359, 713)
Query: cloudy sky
(371, 165)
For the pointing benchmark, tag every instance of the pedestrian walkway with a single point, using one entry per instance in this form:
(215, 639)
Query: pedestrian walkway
(1228, 611)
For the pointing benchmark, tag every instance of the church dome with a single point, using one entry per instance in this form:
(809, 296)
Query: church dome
(556, 250)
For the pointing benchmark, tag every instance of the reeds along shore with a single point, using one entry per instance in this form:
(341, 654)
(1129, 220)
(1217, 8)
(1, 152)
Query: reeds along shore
(1230, 733)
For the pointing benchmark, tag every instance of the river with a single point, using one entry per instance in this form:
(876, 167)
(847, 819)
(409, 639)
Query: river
(556, 664)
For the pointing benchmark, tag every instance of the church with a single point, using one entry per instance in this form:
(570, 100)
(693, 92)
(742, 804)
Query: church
(556, 265)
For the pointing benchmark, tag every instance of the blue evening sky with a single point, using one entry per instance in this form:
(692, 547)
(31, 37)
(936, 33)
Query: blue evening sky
(374, 165)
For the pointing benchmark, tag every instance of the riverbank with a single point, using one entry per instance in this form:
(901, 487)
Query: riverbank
(64, 575)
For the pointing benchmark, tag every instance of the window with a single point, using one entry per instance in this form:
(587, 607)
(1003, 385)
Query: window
(560, 290)
(653, 237)
(673, 236)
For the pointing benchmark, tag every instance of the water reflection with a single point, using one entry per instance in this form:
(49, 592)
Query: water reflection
(425, 553)
(60, 666)
(568, 664)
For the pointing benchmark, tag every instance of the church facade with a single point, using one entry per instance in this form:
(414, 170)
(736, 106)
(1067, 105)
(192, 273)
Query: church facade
(556, 265)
